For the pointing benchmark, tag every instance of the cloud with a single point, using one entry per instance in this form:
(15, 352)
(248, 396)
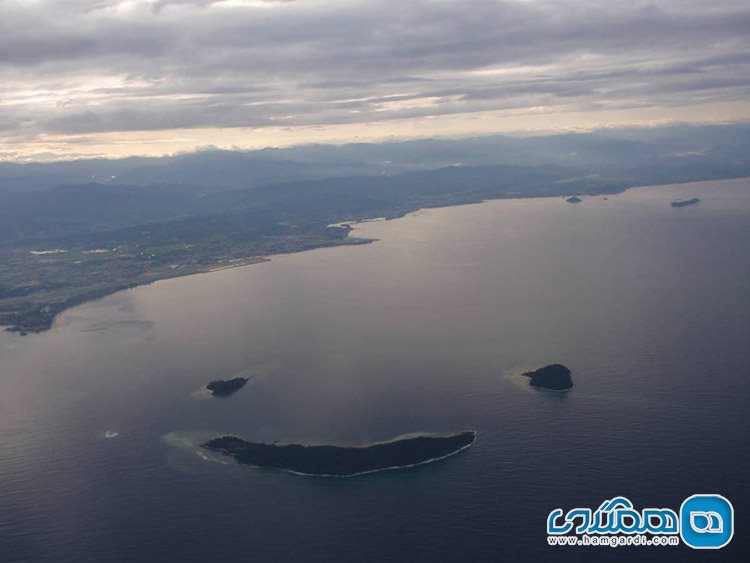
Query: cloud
(75, 67)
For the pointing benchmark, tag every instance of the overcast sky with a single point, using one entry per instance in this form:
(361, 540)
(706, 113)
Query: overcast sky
(158, 76)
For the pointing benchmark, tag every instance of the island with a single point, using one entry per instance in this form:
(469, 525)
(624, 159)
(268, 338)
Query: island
(574, 199)
(221, 388)
(343, 461)
(685, 202)
(554, 377)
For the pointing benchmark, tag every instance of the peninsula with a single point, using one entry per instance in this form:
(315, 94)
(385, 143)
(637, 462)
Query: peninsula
(343, 461)
(555, 377)
(222, 388)
(685, 202)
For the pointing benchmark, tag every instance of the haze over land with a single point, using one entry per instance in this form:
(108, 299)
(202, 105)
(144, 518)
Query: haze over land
(73, 231)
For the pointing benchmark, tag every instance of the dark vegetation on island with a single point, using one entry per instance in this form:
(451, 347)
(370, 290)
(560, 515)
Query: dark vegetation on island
(340, 460)
(75, 231)
(224, 388)
(574, 199)
(555, 377)
(685, 202)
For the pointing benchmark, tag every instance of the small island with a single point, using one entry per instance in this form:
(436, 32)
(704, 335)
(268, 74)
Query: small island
(685, 202)
(574, 199)
(221, 388)
(555, 377)
(343, 461)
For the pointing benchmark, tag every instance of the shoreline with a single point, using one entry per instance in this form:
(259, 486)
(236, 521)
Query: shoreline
(402, 437)
(392, 468)
(47, 322)
(248, 262)
(548, 390)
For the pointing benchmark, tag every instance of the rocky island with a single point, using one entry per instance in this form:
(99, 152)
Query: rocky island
(221, 388)
(685, 202)
(574, 199)
(343, 461)
(555, 377)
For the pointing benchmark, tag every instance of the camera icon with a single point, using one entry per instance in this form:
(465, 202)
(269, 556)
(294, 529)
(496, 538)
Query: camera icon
(706, 521)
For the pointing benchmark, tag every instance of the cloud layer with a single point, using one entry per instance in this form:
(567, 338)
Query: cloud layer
(74, 69)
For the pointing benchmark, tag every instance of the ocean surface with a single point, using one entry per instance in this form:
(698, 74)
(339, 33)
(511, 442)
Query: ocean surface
(425, 330)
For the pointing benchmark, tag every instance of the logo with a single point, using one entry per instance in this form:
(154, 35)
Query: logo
(706, 521)
(616, 516)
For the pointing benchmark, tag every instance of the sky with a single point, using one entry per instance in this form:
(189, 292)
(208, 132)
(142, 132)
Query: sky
(149, 77)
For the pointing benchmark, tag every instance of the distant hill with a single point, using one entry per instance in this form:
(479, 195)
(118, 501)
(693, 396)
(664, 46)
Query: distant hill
(66, 243)
(601, 151)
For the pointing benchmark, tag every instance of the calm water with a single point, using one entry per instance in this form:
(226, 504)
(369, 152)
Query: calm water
(425, 330)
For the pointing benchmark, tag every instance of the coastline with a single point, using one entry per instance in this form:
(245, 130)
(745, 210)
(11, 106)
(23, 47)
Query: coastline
(241, 263)
(548, 390)
(25, 330)
(49, 320)
(45, 320)
(392, 468)
(370, 471)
